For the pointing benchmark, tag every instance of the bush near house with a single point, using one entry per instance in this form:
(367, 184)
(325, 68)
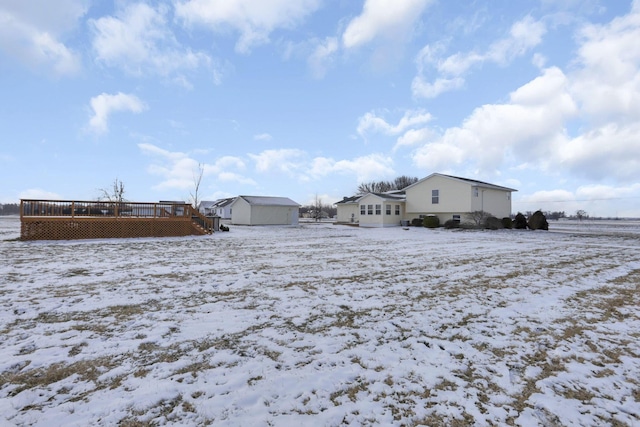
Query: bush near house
(493, 223)
(416, 222)
(520, 222)
(507, 222)
(538, 221)
(431, 221)
(451, 223)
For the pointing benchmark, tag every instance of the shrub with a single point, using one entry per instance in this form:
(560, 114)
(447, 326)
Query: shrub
(507, 223)
(431, 221)
(493, 223)
(520, 222)
(416, 222)
(451, 223)
(538, 221)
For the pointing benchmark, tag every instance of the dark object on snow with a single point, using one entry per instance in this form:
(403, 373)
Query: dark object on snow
(224, 227)
(520, 223)
(538, 221)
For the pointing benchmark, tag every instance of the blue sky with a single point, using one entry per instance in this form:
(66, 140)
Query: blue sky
(312, 97)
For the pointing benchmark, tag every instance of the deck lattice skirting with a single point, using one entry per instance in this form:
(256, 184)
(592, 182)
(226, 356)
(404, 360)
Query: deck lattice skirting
(68, 220)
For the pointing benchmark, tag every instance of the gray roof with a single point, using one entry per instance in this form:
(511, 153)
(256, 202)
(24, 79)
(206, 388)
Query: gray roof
(269, 201)
(345, 200)
(221, 203)
(387, 196)
(206, 204)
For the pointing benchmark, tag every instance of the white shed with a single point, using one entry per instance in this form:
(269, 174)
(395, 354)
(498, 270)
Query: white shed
(262, 210)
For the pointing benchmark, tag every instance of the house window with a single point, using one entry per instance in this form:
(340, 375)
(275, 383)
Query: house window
(378, 209)
(370, 209)
(456, 218)
(435, 197)
(397, 209)
(363, 210)
(475, 191)
(387, 209)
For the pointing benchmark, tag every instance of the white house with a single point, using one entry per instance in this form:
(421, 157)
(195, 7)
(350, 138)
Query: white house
(261, 210)
(220, 207)
(445, 196)
(205, 207)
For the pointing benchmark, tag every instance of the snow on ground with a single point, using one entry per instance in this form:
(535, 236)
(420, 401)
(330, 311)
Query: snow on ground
(323, 325)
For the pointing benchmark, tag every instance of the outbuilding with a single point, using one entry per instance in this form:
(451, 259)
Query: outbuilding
(264, 210)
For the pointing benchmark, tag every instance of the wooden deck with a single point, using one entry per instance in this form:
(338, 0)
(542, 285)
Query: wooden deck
(73, 219)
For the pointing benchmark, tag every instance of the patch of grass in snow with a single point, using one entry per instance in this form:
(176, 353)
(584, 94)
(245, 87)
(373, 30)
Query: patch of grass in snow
(351, 391)
(166, 410)
(87, 370)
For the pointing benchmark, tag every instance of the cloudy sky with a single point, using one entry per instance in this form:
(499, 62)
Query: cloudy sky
(311, 97)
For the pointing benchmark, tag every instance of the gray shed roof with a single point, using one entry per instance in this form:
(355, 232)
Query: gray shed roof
(269, 201)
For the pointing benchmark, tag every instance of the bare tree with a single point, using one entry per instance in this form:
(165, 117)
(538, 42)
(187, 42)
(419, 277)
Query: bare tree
(383, 186)
(580, 214)
(317, 209)
(478, 217)
(115, 194)
(197, 179)
(404, 181)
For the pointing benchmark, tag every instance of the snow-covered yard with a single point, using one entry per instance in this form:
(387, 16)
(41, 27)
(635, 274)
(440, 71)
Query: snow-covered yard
(324, 325)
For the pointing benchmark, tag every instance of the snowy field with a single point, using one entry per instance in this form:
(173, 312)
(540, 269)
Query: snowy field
(324, 325)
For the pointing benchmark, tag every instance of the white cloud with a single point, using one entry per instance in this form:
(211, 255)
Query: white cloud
(609, 151)
(372, 123)
(421, 88)
(177, 169)
(254, 20)
(322, 57)
(608, 81)
(381, 18)
(410, 129)
(599, 98)
(289, 161)
(262, 137)
(523, 36)
(234, 177)
(32, 33)
(105, 104)
(138, 40)
(367, 168)
(529, 127)
(414, 137)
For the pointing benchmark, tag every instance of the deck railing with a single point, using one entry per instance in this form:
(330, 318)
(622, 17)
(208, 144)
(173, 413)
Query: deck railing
(78, 208)
(104, 217)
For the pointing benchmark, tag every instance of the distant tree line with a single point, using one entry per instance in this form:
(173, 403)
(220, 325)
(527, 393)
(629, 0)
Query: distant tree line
(10, 209)
(383, 186)
(318, 210)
